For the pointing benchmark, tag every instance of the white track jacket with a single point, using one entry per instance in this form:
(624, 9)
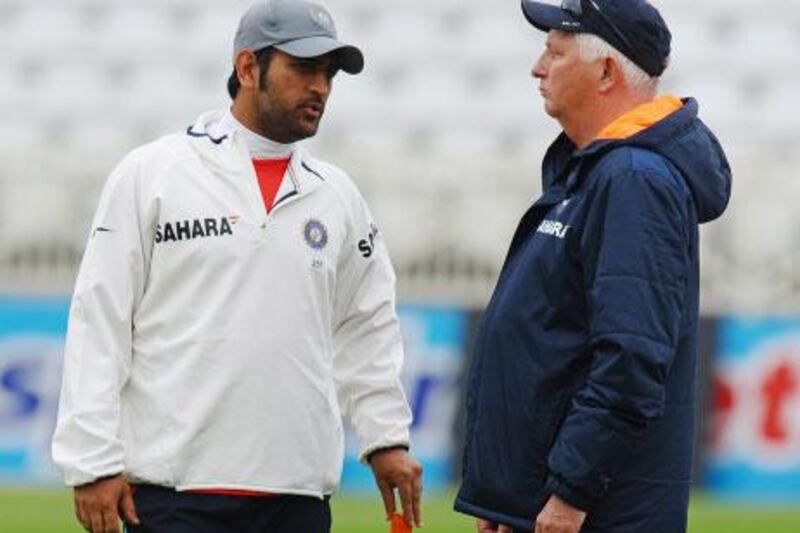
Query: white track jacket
(211, 345)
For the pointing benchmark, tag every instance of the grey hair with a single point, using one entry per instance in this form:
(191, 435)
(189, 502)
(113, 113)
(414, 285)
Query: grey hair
(591, 48)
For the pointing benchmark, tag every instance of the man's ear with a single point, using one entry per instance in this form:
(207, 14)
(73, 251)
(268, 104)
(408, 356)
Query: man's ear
(611, 75)
(247, 69)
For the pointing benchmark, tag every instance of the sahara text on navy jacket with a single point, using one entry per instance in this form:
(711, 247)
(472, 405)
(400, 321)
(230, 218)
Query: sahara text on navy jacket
(583, 379)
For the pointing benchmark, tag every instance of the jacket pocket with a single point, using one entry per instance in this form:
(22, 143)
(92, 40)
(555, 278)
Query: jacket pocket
(543, 430)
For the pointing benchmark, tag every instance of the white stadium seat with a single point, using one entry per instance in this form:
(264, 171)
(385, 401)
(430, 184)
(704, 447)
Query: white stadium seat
(444, 131)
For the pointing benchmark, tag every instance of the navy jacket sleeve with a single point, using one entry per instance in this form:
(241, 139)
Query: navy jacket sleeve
(635, 256)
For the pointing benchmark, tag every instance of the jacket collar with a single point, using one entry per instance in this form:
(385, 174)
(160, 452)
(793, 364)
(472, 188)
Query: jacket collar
(677, 135)
(641, 118)
(219, 144)
(258, 146)
(564, 159)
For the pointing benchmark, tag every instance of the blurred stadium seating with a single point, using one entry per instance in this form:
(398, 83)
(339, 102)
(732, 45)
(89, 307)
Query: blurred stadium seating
(444, 131)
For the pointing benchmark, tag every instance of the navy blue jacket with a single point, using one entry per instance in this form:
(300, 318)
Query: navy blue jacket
(583, 378)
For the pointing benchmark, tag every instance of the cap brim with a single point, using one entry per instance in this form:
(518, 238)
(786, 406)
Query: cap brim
(548, 17)
(351, 60)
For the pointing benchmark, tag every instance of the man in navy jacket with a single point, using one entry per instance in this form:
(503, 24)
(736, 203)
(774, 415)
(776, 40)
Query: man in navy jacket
(581, 398)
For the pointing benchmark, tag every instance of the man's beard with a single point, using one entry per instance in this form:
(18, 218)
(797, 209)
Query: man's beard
(283, 125)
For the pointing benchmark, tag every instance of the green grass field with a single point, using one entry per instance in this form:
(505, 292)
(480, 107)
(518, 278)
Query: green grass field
(42, 511)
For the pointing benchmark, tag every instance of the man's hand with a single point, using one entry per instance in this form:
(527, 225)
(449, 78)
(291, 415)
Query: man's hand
(395, 468)
(99, 505)
(484, 526)
(559, 517)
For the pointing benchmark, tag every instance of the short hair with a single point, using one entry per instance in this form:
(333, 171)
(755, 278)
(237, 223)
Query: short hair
(263, 58)
(591, 48)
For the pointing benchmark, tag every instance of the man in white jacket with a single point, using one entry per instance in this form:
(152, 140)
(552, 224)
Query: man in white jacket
(235, 299)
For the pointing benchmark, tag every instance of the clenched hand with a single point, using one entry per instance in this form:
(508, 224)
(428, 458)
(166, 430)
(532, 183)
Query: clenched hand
(396, 469)
(484, 526)
(100, 505)
(559, 517)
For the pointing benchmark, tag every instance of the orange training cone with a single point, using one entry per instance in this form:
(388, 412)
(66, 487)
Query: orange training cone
(399, 525)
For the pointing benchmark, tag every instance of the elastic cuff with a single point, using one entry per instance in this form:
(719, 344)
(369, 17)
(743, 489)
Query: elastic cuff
(89, 481)
(573, 496)
(368, 455)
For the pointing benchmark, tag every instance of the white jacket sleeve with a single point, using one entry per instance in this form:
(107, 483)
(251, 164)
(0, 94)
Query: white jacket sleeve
(97, 358)
(368, 348)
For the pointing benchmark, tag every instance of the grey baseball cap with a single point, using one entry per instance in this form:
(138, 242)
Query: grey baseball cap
(297, 27)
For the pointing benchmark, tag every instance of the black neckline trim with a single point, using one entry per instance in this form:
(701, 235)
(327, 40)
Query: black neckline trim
(317, 174)
(284, 197)
(192, 133)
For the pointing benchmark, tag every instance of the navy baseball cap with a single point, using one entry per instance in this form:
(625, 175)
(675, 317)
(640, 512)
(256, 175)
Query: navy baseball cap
(634, 27)
(297, 27)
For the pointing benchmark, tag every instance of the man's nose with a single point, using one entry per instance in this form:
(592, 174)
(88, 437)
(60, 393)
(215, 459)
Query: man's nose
(539, 71)
(321, 83)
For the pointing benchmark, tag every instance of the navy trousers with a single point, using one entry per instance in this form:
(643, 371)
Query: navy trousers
(163, 510)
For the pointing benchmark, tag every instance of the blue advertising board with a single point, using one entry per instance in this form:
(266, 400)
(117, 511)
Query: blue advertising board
(31, 345)
(435, 341)
(754, 449)
(32, 334)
